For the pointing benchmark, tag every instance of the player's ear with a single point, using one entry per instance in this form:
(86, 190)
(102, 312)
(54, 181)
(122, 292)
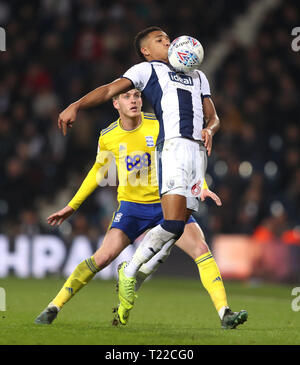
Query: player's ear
(145, 51)
(116, 103)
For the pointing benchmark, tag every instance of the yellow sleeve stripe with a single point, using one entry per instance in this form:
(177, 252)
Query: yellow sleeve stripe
(108, 129)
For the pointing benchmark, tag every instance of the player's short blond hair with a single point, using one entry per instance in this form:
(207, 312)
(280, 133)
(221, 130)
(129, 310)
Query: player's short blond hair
(117, 96)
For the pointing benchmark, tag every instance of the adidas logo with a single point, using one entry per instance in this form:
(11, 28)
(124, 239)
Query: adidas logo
(217, 279)
(70, 290)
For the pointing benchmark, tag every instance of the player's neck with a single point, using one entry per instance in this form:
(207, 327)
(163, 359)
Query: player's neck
(128, 123)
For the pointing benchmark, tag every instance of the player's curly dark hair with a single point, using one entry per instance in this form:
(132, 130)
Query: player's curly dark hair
(142, 35)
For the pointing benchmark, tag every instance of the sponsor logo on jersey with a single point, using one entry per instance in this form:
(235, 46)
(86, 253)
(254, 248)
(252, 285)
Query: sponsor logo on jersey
(182, 79)
(138, 161)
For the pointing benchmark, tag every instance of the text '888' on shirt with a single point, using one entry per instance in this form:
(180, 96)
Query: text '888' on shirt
(175, 97)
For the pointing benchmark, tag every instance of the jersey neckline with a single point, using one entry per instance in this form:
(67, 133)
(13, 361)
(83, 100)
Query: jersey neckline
(165, 63)
(131, 130)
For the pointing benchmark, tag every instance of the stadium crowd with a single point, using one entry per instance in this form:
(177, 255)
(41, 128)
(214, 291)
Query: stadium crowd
(59, 50)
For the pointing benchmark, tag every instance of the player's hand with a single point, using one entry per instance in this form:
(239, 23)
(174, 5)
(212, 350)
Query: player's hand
(206, 193)
(58, 217)
(67, 117)
(207, 139)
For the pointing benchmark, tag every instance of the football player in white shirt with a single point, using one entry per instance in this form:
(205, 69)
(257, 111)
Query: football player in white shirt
(188, 121)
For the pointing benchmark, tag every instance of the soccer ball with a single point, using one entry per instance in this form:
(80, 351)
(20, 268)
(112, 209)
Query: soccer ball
(185, 54)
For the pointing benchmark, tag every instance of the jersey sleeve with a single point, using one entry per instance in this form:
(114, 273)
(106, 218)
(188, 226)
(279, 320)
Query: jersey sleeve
(92, 180)
(204, 185)
(101, 148)
(139, 75)
(205, 88)
(88, 185)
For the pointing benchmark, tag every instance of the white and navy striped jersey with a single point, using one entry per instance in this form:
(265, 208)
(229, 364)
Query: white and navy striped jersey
(176, 98)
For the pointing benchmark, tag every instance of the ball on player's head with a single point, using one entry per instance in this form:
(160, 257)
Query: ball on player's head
(185, 54)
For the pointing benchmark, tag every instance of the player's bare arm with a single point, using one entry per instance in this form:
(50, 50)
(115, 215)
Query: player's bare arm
(95, 97)
(212, 123)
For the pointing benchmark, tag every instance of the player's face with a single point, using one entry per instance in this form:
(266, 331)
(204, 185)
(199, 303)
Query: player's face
(129, 104)
(156, 45)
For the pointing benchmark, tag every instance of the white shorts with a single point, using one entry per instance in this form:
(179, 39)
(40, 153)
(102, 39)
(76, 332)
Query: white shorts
(181, 165)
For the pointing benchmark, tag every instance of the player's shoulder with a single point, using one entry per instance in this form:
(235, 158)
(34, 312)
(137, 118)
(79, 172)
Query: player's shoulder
(201, 74)
(150, 124)
(149, 116)
(141, 66)
(109, 129)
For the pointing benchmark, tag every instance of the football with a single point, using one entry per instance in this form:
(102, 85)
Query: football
(185, 54)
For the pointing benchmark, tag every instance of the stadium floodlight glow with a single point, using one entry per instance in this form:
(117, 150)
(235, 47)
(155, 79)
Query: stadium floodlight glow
(220, 168)
(275, 142)
(251, 209)
(270, 169)
(277, 208)
(2, 39)
(209, 180)
(245, 169)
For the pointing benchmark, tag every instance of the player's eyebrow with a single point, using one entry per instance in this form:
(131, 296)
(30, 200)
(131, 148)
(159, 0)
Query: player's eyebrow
(162, 35)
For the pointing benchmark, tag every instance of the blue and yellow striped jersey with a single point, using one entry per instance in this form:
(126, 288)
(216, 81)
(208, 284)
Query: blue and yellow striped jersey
(134, 154)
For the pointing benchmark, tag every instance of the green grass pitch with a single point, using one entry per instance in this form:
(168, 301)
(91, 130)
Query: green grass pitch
(168, 311)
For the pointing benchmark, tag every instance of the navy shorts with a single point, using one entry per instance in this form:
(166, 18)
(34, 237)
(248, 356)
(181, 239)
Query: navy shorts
(135, 218)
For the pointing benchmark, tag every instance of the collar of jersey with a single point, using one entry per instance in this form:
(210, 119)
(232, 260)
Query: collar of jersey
(132, 130)
(165, 63)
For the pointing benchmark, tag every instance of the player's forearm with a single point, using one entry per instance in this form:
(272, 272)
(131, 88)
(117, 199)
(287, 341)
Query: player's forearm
(103, 93)
(210, 116)
(93, 98)
(213, 123)
(88, 185)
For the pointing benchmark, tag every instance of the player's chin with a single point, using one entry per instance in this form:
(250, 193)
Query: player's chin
(165, 56)
(134, 113)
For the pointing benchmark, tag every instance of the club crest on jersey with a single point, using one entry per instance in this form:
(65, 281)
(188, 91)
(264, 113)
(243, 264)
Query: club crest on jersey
(170, 184)
(149, 141)
(196, 188)
(182, 79)
(118, 217)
